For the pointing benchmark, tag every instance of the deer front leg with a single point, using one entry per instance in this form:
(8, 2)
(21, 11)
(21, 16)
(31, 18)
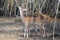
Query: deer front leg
(27, 33)
(24, 32)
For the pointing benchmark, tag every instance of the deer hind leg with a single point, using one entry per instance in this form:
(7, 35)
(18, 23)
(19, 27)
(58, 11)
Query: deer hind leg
(43, 32)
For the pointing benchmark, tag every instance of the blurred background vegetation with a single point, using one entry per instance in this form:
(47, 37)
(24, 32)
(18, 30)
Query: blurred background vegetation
(8, 7)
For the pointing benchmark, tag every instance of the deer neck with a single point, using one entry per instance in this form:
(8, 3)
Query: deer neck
(21, 14)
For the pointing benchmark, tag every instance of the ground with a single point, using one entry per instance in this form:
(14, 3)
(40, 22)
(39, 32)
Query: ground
(11, 30)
